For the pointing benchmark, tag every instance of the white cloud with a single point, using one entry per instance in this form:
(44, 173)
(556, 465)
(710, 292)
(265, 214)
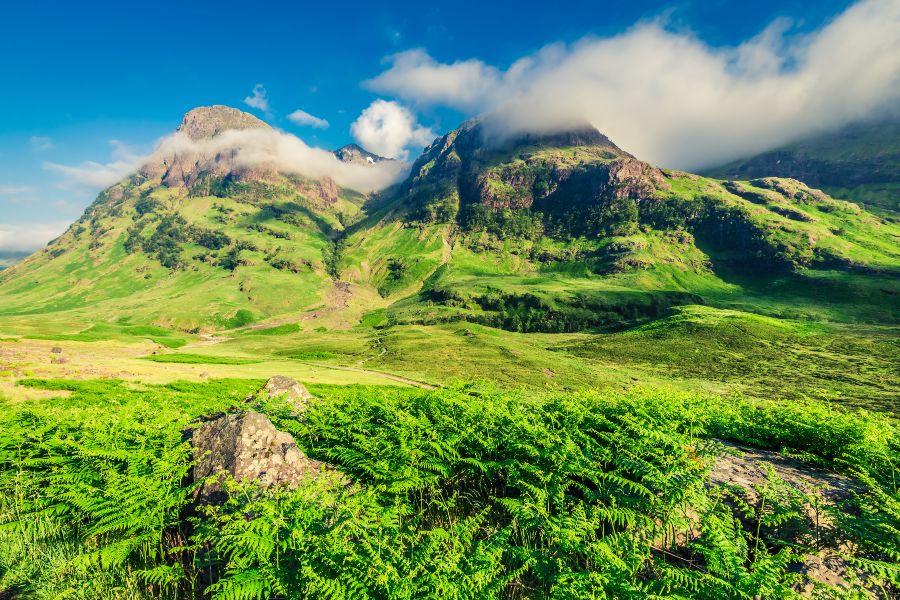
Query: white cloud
(301, 117)
(29, 237)
(269, 148)
(259, 99)
(40, 143)
(389, 129)
(96, 175)
(671, 99)
(416, 76)
(15, 190)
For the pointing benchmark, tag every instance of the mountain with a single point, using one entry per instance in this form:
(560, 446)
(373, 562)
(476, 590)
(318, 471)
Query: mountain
(195, 239)
(533, 233)
(567, 232)
(8, 259)
(860, 162)
(354, 154)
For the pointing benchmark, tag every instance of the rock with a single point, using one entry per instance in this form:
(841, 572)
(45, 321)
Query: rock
(748, 467)
(56, 350)
(248, 447)
(633, 178)
(208, 121)
(293, 392)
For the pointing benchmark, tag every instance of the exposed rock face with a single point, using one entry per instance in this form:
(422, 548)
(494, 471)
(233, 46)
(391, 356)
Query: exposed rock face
(291, 390)
(249, 448)
(633, 178)
(323, 192)
(195, 155)
(209, 121)
(354, 154)
(548, 172)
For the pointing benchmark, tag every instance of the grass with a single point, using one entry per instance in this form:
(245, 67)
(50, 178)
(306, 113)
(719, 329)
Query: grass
(764, 357)
(192, 359)
(277, 330)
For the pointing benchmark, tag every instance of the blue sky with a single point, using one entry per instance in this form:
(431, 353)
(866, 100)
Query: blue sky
(95, 84)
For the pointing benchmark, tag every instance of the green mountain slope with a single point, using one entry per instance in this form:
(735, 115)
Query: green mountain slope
(187, 244)
(859, 163)
(554, 233)
(568, 232)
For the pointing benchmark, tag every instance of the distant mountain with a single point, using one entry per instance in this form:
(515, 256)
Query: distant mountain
(8, 259)
(557, 232)
(860, 163)
(352, 153)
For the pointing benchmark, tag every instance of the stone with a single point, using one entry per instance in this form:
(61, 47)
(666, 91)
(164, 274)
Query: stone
(248, 447)
(290, 390)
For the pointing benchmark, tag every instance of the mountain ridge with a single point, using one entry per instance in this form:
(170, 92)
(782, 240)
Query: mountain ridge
(558, 232)
(859, 162)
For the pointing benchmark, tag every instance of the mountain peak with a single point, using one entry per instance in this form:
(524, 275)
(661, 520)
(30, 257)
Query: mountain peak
(354, 153)
(208, 121)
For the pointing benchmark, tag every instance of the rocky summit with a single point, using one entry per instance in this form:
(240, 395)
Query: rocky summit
(208, 121)
(357, 155)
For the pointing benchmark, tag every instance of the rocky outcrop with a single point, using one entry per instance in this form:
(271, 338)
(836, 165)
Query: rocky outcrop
(193, 154)
(290, 391)
(357, 155)
(323, 192)
(247, 447)
(209, 121)
(633, 178)
(747, 470)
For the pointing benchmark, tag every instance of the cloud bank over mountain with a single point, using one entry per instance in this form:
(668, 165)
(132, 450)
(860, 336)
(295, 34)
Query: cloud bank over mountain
(270, 148)
(28, 237)
(670, 98)
(257, 147)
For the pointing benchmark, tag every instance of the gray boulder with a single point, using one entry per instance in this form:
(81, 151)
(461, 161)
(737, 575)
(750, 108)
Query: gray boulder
(248, 447)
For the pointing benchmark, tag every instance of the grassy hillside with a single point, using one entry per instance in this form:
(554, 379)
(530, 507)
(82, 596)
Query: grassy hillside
(860, 163)
(587, 237)
(219, 255)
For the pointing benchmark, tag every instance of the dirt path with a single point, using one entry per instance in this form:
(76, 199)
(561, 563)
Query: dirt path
(397, 378)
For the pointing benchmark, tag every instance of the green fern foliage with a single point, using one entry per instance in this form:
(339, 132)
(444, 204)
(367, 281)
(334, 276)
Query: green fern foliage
(463, 493)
